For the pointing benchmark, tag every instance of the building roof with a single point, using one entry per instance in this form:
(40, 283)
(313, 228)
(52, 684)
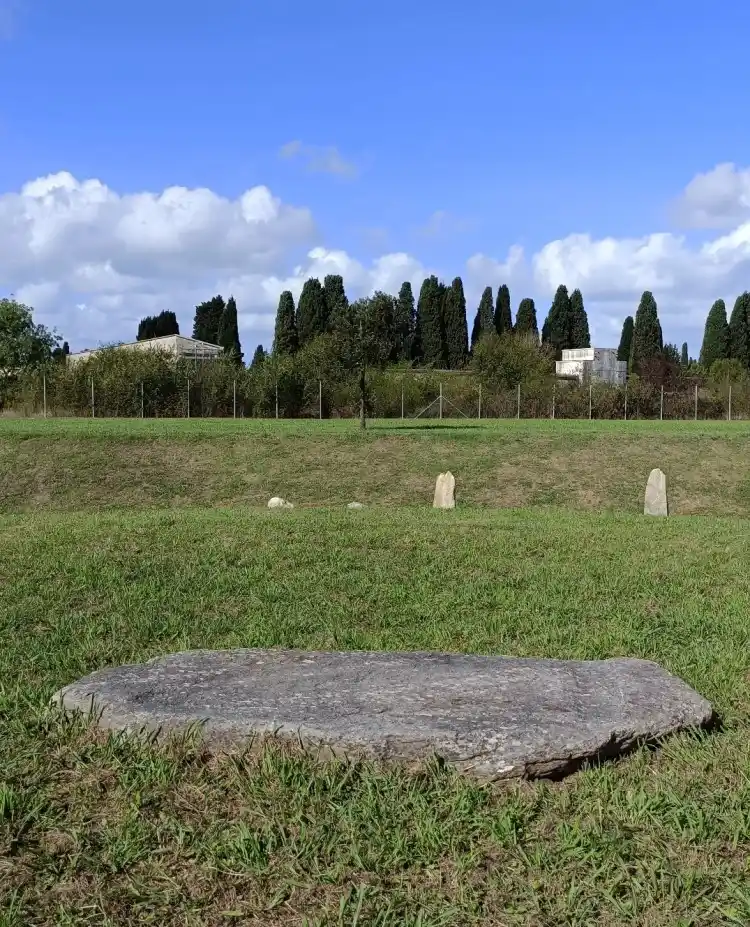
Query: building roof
(162, 338)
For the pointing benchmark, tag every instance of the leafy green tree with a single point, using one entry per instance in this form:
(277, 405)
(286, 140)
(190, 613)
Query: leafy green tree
(228, 335)
(430, 322)
(739, 330)
(579, 336)
(454, 320)
(285, 340)
(556, 328)
(312, 311)
(526, 322)
(504, 361)
(626, 339)
(484, 320)
(716, 335)
(23, 343)
(259, 357)
(503, 320)
(337, 304)
(647, 343)
(207, 320)
(404, 323)
(684, 356)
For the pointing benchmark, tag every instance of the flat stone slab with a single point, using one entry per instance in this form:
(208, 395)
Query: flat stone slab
(491, 717)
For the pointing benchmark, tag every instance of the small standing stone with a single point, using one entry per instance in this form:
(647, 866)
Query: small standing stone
(355, 505)
(656, 494)
(445, 488)
(278, 503)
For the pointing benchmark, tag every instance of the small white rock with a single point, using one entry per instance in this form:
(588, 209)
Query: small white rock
(278, 503)
(355, 505)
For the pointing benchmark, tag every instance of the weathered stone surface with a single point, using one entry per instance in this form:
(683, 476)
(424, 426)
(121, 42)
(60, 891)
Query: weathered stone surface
(492, 717)
(445, 487)
(656, 494)
(355, 505)
(278, 503)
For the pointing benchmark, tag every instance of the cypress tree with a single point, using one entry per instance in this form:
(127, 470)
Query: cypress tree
(684, 356)
(258, 357)
(647, 343)
(526, 322)
(739, 330)
(229, 335)
(285, 341)
(579, 336)
(207, 320)
(503, 320)
(337, 304)
(484, 320)
(404, 320)
(716, 335)
(430, 322)
(556, 329)
(381, 312)
(456, 333)
(626, 340)
(312, 311)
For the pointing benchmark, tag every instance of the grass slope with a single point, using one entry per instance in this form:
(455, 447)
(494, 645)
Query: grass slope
(110, 831)
(78, 464)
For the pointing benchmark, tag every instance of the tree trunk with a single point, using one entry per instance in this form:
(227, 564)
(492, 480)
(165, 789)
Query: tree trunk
(362, 386)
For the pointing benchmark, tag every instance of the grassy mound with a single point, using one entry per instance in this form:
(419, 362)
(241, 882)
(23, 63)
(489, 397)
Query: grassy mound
(79, 464)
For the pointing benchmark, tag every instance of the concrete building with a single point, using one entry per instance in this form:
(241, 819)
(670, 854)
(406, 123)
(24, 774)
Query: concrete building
(592, 363)
(178, 345)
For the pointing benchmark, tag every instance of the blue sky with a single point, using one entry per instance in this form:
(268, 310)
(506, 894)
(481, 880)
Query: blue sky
(451, 135)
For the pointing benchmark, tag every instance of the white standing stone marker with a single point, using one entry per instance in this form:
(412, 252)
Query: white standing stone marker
(278, 503)
(656, 494)
(355, 505)
(445, 489)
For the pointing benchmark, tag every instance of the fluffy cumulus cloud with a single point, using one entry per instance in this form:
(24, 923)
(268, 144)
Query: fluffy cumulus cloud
(92, 261)
(716, 199)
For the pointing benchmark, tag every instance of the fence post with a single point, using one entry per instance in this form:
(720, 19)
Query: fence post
(188, 398)
(696, 402)
(626, 400)
(729, 410)
(93, 407)
(142, 399)
(518, 402)
(44, 393)
(441, 400)
(402, 401)
(277, 399)
(554, 397)
(234, 399)
(590, 409)
(320, 399)
(479, 411)
(661, 405)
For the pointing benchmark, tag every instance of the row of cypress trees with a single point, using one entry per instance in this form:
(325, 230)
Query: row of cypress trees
(727, 339)
(214, 321)
(431, 331)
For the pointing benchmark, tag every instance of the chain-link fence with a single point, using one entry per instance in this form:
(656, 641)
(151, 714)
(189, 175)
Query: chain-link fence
(223, 391)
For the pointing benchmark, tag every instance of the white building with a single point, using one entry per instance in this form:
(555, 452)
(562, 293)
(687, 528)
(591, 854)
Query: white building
(594, 364)
(178, 345)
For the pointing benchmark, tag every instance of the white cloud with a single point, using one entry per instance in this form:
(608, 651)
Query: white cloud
(319, 159)
(717, 199)
(93, 261)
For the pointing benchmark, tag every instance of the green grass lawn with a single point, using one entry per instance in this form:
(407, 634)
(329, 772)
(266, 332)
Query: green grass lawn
(97, 830)
(83, 464)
